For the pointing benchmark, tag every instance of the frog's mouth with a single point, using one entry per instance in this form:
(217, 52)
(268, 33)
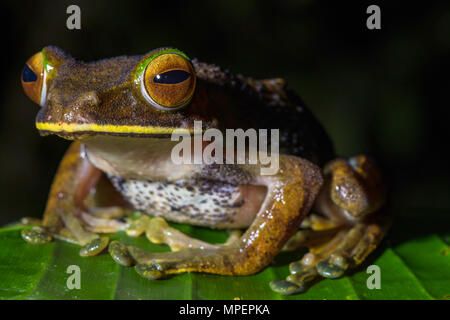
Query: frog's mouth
(74, 131)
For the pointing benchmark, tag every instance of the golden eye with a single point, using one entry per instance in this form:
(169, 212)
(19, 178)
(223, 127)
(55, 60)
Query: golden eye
(33, 79)
(168, 81)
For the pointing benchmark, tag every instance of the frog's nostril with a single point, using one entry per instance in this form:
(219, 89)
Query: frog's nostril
(90, 98)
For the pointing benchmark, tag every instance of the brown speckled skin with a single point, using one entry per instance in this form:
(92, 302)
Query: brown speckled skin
(104, 92)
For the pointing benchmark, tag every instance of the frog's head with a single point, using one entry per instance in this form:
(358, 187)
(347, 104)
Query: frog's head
(149, 95)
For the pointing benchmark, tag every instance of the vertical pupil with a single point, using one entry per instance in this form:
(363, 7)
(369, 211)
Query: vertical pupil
(171, 77)
(28, 75)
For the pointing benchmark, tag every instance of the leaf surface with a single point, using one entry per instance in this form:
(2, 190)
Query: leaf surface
(414, 260)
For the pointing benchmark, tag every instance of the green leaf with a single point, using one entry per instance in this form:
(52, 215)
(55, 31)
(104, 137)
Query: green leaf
(414, 260)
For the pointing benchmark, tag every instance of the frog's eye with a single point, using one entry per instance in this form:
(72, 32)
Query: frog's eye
(33, 78)
(168, 81)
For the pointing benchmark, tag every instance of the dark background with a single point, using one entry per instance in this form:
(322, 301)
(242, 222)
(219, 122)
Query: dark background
(382, 92)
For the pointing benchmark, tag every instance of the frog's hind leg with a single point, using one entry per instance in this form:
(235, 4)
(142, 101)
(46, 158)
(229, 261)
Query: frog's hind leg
(297, 183)
(354, 229)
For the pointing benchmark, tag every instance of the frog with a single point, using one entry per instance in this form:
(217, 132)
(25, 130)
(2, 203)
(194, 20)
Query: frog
(118, 174)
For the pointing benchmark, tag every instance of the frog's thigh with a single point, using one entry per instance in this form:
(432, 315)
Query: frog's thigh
(290, 196)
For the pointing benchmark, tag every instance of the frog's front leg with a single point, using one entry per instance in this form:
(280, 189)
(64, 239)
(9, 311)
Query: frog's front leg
(350, 200)
(290, 195)
(158, 231)
(66, 215)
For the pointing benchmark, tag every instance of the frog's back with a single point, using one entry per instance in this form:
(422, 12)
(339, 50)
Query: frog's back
(301, 134)
(269, 104)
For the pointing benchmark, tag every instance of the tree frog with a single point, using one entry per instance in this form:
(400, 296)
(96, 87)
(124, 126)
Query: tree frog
(120, 114)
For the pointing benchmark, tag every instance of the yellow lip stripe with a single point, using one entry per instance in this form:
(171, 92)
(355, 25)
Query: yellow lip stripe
(108, 128)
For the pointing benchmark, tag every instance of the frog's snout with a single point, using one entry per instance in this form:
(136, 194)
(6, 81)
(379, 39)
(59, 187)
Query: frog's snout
(65, 117)
(58, 101)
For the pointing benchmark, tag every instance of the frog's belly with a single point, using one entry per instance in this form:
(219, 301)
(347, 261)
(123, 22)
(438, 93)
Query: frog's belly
(197, 202)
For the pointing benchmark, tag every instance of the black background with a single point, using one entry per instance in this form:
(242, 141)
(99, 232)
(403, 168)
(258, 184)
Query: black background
(382, 92)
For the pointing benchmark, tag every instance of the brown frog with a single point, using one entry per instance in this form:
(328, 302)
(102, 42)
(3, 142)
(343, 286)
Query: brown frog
(121, 113)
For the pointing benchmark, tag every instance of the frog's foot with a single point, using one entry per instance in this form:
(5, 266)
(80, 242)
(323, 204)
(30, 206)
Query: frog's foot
(77, 231)
(113, 212)
(74, 230)
(158, 231)
(101, 220)
(83, 228)
(37, 234)
(351, 226)
(310, 238)
(315, 230)
(83, 231)
(104, 220)
(346, 249)
(318, 222)
(40, 234)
